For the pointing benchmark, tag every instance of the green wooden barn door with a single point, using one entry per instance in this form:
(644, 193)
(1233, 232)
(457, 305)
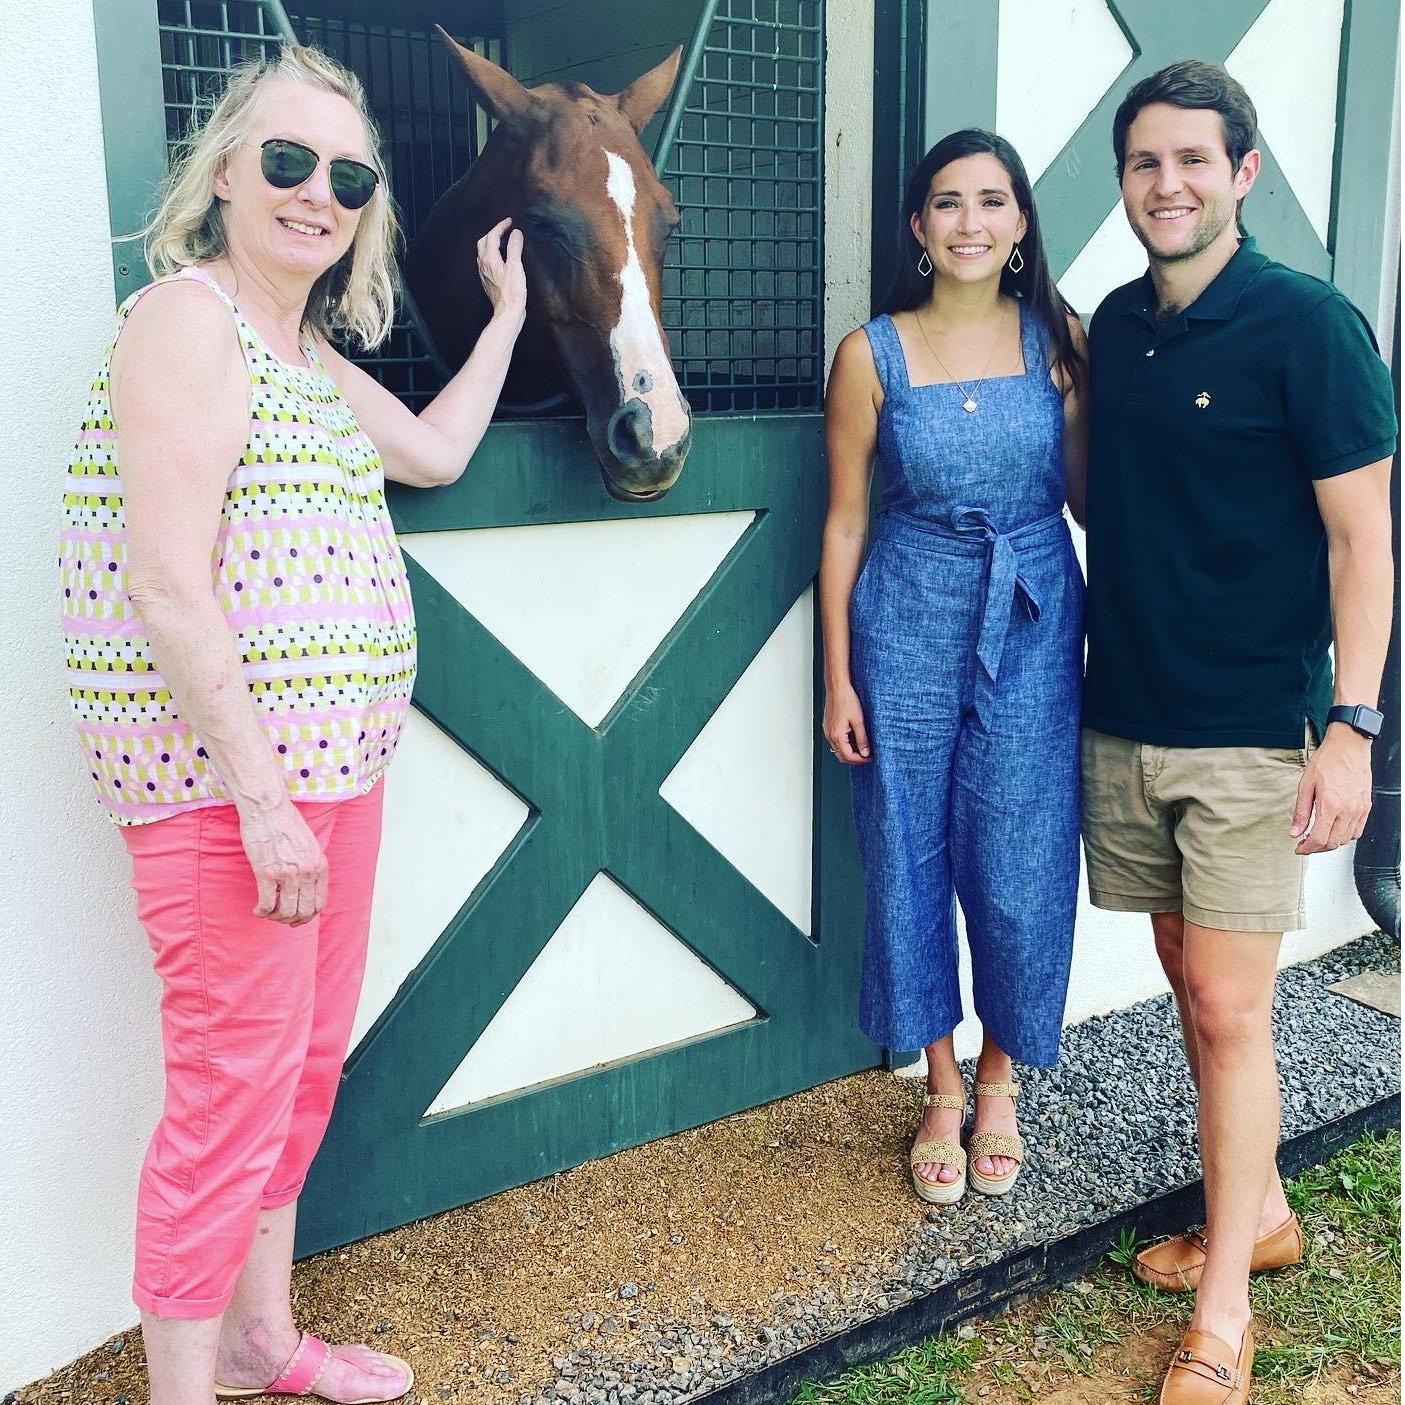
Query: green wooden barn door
(743, 302)
(594, 807)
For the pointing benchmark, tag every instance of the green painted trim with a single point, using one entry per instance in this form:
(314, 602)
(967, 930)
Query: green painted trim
(1363, 202)
(898, 28)
(594, 806)
(275, 10)
(960, 88)
(1273, 214)
(683, 85)
(531, 472)
(133, 126)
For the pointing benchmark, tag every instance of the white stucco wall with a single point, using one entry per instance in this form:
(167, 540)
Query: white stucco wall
(81, 1084)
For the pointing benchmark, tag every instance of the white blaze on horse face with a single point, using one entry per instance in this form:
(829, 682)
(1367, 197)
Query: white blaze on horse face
(636, 343)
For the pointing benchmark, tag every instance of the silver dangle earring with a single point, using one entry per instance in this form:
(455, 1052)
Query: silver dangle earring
(927, 271)
(1016, 260)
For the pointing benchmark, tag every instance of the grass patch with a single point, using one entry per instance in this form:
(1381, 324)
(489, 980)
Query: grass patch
(927, 1374)
(1337, 1312)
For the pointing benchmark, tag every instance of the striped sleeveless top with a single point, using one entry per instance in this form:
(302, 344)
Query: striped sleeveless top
(306, 570)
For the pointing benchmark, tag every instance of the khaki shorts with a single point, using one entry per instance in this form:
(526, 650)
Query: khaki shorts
(1202, 831)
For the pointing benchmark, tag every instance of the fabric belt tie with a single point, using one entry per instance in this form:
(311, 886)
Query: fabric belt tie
(1004, 585)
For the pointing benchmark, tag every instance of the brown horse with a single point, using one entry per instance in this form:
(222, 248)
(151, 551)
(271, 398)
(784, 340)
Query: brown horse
(564, 162)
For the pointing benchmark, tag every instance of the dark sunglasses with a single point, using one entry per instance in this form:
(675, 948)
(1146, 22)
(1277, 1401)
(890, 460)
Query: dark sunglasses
(287, 164)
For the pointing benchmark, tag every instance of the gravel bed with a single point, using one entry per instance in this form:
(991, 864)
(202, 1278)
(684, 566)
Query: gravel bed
(1121, 1087)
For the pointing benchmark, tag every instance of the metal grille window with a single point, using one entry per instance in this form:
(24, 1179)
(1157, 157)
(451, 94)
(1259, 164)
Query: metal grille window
(742, 283)
(200, 41)
(741, 152)
(431, 132)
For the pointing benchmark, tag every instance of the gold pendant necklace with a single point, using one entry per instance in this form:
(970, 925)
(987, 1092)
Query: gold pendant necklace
(970, 404)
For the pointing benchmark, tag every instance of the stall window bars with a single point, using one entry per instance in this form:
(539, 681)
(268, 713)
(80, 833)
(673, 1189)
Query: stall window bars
(742, 156)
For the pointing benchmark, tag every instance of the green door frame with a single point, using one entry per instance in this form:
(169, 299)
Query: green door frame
(132, 102)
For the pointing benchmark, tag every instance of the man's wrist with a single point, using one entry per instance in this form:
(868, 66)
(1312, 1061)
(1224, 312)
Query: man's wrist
(1360, 718)
(1343, 731)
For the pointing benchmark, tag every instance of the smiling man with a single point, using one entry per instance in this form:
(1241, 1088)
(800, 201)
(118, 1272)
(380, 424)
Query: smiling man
(1238, 523)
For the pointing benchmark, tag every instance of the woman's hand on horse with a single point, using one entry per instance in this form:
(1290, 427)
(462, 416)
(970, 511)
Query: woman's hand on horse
(288, 863)
(501, 273)
(844, 727)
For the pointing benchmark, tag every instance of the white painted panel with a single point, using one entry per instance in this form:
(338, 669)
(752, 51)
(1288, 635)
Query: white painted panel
(582, 604)
(447, 819)
(611, 982)
(745, 784)
(1113, 256)
(1288, 62)
(1055, 63)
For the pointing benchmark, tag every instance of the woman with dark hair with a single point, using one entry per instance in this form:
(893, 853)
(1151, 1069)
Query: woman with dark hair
(953, 660)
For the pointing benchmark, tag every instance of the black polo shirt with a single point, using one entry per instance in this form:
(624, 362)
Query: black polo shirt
(1208, 610)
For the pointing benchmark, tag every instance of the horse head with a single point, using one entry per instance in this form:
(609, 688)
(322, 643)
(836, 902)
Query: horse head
(565, 164)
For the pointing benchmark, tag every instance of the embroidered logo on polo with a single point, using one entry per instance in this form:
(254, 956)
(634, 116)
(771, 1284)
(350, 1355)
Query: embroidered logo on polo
(309, 578)
(1202, 400)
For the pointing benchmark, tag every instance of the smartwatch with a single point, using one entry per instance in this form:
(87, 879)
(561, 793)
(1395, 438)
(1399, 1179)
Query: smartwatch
(1360, 718)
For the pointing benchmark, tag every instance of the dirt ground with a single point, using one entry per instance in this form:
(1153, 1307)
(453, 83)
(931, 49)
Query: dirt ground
(708, 1222)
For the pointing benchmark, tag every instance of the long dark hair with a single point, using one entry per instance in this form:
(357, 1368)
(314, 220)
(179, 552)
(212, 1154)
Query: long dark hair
(1033, 282)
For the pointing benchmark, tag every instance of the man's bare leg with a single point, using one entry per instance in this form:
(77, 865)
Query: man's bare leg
(1168, 928)
(1229, 978)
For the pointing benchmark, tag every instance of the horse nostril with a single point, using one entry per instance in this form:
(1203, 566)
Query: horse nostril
(631, 432)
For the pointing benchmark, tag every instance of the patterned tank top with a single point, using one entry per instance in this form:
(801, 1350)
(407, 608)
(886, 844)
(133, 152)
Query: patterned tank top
(306, 569)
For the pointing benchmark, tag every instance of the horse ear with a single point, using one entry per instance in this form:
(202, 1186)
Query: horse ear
(647, 93)
(494, 87)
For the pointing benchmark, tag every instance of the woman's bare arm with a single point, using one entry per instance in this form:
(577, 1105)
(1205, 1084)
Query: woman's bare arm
(1076, 428)
(180, 398)
(852, 401)
(432, 448)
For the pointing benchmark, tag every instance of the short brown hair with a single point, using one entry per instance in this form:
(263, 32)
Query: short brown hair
(1192, 83)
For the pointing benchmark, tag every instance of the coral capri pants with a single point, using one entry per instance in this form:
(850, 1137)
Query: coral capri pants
(255, 1019)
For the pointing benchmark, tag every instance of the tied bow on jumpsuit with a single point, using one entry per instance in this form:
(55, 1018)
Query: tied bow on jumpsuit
(967, 656)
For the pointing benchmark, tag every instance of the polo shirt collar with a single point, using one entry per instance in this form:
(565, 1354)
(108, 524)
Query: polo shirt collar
(1217, 302)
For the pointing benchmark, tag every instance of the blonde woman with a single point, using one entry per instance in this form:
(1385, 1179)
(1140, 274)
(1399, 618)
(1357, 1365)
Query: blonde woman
(241, 649)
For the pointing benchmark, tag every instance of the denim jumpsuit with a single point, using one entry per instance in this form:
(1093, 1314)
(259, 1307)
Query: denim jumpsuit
(967, 655)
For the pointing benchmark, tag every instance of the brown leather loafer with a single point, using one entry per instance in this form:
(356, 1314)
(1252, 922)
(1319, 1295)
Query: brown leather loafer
(1205, 1371)
(1175, 1265)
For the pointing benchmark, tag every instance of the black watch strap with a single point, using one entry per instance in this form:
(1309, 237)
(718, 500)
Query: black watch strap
(1360, 718)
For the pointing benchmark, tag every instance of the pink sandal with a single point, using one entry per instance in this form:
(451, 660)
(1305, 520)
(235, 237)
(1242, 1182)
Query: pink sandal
(304, 1370)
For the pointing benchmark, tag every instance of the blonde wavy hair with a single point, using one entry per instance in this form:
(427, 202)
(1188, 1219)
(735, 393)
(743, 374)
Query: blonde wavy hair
(356, 296)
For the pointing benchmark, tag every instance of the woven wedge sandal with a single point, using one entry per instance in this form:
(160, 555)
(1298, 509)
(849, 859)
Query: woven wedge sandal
(940, 1153)
(994, 1143)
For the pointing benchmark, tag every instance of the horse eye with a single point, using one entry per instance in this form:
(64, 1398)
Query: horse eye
(665, 222)
(543, 228)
